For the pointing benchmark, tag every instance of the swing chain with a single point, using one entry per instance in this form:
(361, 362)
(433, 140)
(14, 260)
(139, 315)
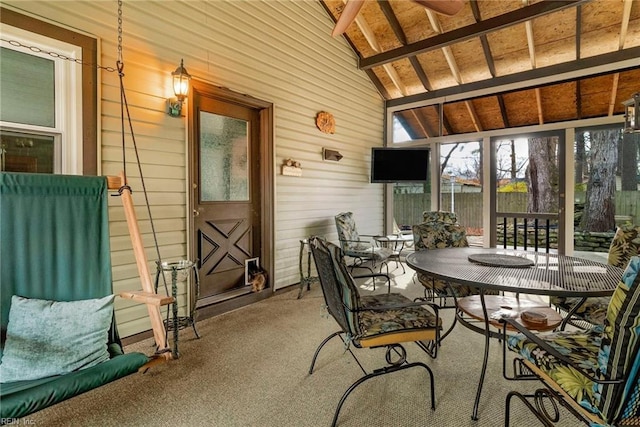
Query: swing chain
(120, 59)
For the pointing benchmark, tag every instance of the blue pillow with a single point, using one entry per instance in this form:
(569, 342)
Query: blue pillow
(46, 338)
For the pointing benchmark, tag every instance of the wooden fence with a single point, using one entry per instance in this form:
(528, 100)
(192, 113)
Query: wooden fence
(408, 208)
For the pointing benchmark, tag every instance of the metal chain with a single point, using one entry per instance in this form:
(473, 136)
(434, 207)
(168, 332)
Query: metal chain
(57, 55)
(120, 60)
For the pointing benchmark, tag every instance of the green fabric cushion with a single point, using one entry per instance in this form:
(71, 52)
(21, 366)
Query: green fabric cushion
(46, 338)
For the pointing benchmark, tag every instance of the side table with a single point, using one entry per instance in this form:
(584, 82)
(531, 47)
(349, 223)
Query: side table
(178, 272)
(305, 279)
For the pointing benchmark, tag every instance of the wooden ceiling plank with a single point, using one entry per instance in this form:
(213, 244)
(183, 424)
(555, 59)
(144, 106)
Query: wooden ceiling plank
(590, 66)
(395, 78)
(393, 21)
(468, 32)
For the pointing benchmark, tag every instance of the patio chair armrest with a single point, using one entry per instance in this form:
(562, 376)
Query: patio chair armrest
(374, 275)
(548, 348)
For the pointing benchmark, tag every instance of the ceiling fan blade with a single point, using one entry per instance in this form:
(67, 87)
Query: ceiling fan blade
(349, 13)
(445, 7)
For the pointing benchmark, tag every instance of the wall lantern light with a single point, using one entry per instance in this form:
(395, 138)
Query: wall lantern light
(632, 114)
(180, 88)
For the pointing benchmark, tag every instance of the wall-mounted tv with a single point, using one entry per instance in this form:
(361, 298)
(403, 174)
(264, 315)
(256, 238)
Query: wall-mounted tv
(409, 164)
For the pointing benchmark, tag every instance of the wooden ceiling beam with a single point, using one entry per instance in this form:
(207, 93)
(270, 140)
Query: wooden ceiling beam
(469, 32)
(579, 99)
(617, 61)
(614, 91)
(624, 28)
(393, 21)
(578, 31)
(474, 116)
(402, 38)
(484, 41)
(503, 111)
(539, 104)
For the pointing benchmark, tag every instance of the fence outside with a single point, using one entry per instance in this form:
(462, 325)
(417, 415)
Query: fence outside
(408, 208)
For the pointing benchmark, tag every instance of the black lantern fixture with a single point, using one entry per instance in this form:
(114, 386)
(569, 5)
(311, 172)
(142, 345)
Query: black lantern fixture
(632, 114)
(180, 88)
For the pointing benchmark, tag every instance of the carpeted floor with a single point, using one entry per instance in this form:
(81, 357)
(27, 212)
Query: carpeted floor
(250, 368)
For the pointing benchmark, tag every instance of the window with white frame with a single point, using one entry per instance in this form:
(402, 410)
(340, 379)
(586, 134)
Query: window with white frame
(41, 102)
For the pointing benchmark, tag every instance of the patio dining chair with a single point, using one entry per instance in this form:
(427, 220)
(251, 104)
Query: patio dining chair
(585, 312)
(361, 250)
(370, 321)
(441, 230)
(594, 374)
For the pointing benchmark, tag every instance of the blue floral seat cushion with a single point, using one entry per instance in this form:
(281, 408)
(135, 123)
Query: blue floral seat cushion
(608, 351)
(581, 348)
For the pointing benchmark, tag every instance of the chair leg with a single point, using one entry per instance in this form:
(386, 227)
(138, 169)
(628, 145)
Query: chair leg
(382, 371)
(315, 355)
(539, 410)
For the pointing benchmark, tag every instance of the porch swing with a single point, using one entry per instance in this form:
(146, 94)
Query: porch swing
(56, 284)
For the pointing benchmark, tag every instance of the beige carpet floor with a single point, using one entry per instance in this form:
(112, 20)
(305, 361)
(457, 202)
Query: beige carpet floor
(250, 368)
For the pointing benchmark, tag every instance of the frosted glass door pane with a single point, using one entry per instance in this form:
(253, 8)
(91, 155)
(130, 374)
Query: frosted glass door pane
(27, 84)
(224, 150)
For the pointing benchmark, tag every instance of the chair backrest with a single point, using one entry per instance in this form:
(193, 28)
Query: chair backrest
(346, 227)
(625, 244)
(54, 239)
(618, 356)
(340, 293)
(440, 216)
(436, 235)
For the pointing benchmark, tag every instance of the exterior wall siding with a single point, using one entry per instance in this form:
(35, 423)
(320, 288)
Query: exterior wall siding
(280, 52)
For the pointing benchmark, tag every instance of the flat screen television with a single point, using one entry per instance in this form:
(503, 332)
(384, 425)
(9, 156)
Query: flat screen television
(409, 164)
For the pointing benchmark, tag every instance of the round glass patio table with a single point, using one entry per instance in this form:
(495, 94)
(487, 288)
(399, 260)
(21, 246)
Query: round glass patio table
(549, 274)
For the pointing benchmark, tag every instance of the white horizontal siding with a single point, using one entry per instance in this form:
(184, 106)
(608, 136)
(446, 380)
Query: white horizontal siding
(280, 52)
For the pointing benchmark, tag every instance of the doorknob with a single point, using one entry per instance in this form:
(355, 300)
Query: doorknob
(196, 212)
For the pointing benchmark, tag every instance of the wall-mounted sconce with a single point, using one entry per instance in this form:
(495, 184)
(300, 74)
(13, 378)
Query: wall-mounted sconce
(632, 114)
(180, 88)
(328, 154)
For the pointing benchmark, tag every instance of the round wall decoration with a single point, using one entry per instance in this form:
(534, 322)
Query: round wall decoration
(326, 122)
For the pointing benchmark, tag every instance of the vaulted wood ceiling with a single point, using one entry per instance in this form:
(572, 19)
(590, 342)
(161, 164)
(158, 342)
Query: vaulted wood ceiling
(498, 64)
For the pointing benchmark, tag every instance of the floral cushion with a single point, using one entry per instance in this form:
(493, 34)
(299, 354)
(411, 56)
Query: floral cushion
(438, 235)
(375, 322)
(608, 351)
(625, 244)
(347, 231)
(581, 347)
(440, 216)
(593, 310)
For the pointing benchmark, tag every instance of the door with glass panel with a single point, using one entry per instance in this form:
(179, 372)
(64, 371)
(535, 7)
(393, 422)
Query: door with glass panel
(226, 196)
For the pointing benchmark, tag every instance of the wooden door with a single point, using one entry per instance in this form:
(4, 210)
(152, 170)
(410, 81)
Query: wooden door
(226, 195)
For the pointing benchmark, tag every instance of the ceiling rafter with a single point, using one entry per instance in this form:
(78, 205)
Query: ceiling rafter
(484, 41)
(402, 38)
(453, 66)
(624, 28)
(528, 26)
(468, 32)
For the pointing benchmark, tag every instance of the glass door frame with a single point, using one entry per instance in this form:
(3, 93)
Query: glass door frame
(563, 195)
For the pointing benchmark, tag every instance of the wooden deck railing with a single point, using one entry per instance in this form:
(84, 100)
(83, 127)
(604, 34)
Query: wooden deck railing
(526, 230)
